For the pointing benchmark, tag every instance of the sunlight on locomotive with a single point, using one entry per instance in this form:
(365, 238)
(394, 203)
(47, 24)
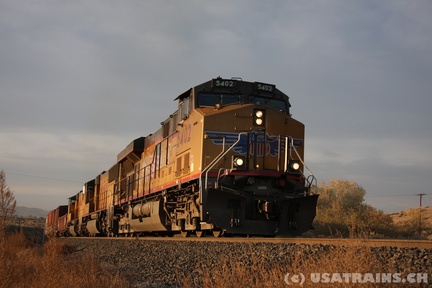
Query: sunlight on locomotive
(226, 162)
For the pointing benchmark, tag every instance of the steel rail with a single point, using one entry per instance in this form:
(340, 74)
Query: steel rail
(423, 244)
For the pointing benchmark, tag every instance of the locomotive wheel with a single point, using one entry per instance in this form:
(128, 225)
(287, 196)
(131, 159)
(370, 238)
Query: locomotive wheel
(217, 233)
(200, 234)
(185, 233)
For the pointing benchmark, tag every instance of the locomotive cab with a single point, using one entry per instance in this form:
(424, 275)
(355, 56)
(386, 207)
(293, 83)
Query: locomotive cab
(251, 171)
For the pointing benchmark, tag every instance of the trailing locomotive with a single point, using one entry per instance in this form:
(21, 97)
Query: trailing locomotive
(228, 161)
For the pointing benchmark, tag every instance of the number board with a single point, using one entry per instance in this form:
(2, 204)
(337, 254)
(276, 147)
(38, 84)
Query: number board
(224, 83)
(265, 87)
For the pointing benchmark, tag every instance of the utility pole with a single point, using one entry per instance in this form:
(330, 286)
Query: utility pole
(421, 196)
(420, 222)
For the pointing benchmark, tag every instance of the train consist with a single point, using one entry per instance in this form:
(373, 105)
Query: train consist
(228, 161)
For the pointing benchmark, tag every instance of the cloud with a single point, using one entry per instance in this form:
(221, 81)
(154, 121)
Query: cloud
(80, 80)
(44, 167)
(61, 151)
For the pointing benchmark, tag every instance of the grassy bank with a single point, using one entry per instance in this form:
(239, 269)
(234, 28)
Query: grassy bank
(53, 265)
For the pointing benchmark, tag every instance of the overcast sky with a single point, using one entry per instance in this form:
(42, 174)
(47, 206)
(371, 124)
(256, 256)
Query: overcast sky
(79, 80)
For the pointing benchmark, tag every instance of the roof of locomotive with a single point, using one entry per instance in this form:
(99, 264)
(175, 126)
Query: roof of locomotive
(237, 85)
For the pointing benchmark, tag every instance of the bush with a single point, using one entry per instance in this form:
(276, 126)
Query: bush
(341, 212)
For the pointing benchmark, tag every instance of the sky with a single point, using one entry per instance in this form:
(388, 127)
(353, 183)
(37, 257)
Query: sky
(79, 80)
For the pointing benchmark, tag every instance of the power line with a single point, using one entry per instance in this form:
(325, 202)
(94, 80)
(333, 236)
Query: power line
(42, 177)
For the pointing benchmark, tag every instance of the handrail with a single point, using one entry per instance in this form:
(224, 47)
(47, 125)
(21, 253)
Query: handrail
(298, 155)
(207, 169)
(310, 178)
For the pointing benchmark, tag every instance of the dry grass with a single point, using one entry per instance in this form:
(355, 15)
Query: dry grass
(25, 265)
(56, 265)
(261, 273)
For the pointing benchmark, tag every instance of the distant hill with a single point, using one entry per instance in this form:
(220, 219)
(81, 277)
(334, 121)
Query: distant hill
(30, 212)
(409, 214)
(410, 220)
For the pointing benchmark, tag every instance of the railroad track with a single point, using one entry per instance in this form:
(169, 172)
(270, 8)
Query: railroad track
(422, 244)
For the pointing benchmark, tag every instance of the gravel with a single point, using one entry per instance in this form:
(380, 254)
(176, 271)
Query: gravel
(151, 263)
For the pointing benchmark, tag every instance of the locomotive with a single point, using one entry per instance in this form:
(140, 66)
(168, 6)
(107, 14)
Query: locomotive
(228, 161)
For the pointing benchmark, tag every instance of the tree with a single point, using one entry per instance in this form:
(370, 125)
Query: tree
(341, 210)
(340, 207)
(378, 224)
(7, 204)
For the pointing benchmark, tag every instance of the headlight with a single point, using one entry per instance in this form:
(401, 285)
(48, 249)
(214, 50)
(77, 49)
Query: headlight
(238, 162)
(295, 166)
(258, 117)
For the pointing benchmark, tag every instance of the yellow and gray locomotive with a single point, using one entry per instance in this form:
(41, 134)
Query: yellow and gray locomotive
(228, 161)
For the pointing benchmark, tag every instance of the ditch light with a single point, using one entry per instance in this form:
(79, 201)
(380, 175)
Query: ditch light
(238, 162)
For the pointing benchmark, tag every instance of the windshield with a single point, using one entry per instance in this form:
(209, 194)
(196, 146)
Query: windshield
(223, 99)
(278, 104)
(211, 99)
